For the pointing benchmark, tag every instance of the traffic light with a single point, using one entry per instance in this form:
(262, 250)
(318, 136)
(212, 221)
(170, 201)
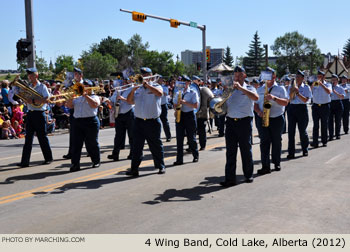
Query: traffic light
(207, 53)
(198, 66)
(22, 49)
(208, 66)
(138, 16)
(174, 23)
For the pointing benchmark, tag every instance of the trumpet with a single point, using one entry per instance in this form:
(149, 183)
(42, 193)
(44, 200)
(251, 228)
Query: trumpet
(316, 83)
(75, 90)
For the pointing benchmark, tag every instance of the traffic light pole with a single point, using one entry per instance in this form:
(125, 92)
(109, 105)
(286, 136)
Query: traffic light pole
(30, 31)
(200, 27)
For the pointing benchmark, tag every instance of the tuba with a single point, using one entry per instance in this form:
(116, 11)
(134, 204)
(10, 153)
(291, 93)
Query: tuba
(25, 92)
(266, 109)
(218, 105)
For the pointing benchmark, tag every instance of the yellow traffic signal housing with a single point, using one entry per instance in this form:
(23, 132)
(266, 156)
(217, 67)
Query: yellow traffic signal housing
(174, 23)
(138, 16)
(207, 53)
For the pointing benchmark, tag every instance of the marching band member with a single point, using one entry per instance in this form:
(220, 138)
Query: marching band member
(298, 114)
(203, 112)
(164, 114)
(286, 86)
(85, 127)
(78, 77)
(36, 121)
(187, 122)
(346, 103)
(124, 121)
(271, 135)
(321, 96)
(219, 119)
(336, 108)
(239, 128)
(147, 126)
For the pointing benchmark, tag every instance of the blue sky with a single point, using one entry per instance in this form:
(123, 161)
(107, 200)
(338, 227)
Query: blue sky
(70, 26)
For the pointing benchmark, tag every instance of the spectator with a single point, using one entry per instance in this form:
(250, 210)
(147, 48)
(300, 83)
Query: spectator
(50, 123)
(7, 131)
(18, 129)
(4, 92)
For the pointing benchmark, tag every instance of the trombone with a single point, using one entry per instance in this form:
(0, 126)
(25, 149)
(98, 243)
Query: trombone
(137, 81)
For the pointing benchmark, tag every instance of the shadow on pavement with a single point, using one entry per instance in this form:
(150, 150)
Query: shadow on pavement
(209, 185)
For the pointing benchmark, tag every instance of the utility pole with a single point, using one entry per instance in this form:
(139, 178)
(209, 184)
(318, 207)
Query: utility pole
(30, 31)
(266, 55)
(140, 17)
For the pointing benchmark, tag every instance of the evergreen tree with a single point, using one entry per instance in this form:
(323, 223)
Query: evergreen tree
(254, 61)
(346, 49)
(228, 58)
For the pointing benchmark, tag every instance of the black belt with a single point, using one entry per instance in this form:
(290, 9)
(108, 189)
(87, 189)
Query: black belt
(325, 104)
(239, 119)
(298, 104)
(147, 119)
(85, 118)
(37, 111)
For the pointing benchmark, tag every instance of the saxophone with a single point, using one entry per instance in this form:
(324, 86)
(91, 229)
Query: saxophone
(178, 108)
(266, 109)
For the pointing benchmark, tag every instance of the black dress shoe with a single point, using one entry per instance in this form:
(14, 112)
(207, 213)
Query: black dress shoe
(314, 145)
(264, 171)
(277, 167)
(195, 160)
(168, 140)
(324, 145)
(249, 180)
(129, 157)
(305, 153)
(228, 183)
(47, 162)
(188, 150)
(96, 165)
(114, 157)
(67, 156)
(178, 163)
(132, 173)
(202, 148)
(22, 165)
(221, 135)
(337, 137)
(290, 156)
(346, 133)
(161, 171)
(330, 139)
(74, 168)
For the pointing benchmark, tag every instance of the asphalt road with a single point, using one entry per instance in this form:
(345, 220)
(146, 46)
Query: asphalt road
(309, 195)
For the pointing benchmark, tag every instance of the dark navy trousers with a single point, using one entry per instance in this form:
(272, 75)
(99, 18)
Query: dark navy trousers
(297, 114)
(238, 133)
(36, 123)
(320, 112)
(123, 123)
(202, 134)
(271, 137)
(149, 130)
(335, 115)
(71, 121)
(186, 125)
(86, 130)
(346, 105)
(165, 122)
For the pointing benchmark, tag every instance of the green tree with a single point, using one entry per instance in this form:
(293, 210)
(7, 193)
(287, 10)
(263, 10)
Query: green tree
(96, 65)
(115, 47)
(41, 66)
(254, 61)
(346, 49)
(228, 58)
(136, 51)
(191, 70)
(64, 61)
(294, 51)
